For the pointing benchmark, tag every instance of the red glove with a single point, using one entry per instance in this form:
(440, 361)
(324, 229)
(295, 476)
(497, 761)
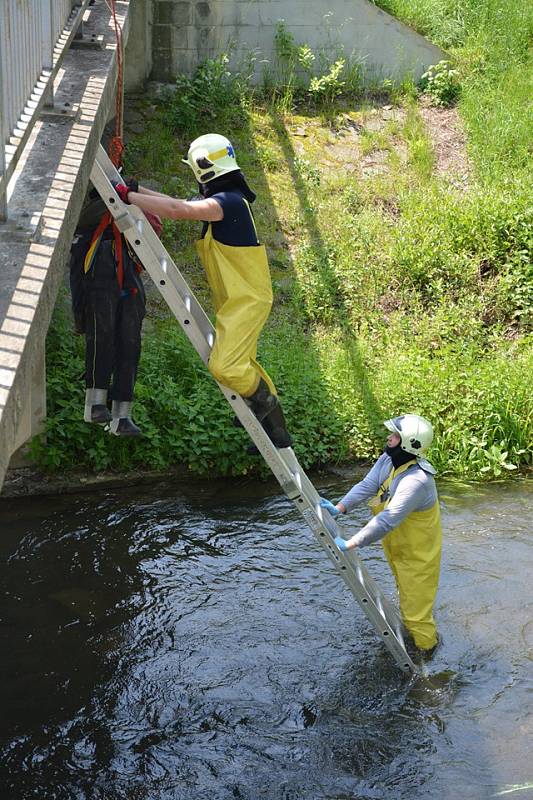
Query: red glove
(122, 190)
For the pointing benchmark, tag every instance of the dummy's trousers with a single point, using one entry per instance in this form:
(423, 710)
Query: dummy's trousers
(112, 322)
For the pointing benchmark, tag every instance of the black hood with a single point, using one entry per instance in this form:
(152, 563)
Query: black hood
(399, 456)
(233, 181)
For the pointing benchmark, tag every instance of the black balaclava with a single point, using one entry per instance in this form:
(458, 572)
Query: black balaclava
(399, 456)
(231, 182)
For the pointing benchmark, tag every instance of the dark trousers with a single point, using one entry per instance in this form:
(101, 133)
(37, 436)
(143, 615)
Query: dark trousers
(112, 324)
(113, 341)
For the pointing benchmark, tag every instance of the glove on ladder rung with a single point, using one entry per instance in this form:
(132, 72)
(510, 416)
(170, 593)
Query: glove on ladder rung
(159, 265)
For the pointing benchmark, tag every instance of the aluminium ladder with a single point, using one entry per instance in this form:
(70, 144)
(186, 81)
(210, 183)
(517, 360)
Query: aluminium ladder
(131, 221)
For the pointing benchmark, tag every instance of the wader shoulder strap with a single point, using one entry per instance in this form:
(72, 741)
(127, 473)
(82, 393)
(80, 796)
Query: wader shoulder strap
(385, 486)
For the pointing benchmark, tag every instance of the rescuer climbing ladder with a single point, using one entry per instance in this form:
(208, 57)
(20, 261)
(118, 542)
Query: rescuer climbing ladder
(151, 253)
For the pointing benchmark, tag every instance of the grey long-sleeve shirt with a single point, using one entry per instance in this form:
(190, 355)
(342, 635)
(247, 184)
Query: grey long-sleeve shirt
(412, 490)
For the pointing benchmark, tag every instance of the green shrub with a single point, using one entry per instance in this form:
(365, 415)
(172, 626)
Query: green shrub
(213, 92)
(324, 89)
(441, 84)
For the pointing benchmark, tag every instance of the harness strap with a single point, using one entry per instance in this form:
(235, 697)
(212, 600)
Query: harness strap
(95, 244)
(385, 486)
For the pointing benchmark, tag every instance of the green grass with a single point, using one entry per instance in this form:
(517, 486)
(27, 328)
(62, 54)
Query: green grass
(491, 43)
(394, 289)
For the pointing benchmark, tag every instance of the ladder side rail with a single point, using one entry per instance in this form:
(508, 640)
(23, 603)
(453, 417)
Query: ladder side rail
(196, 325)
(361, 573)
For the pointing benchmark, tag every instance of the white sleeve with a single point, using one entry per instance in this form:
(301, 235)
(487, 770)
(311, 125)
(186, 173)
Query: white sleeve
(365, 489)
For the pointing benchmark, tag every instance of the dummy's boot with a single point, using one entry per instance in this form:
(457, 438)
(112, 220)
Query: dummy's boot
(262, 401)
(276, 429)
(122, 423)
(96, 409)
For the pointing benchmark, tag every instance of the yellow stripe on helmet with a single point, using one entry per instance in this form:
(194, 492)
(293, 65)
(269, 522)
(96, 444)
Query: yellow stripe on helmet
(218, 154)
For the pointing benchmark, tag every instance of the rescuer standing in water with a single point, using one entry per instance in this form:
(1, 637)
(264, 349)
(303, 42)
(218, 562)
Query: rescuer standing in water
(400, 490)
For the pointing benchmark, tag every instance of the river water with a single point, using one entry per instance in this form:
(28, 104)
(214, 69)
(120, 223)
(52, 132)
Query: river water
(194, 643)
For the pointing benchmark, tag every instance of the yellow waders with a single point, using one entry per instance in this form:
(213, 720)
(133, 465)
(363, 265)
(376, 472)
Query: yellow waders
(239, 279)
(413, 550)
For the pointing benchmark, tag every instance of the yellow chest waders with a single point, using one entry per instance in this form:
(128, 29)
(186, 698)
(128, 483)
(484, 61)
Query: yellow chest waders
(240, 283)
(413, 550)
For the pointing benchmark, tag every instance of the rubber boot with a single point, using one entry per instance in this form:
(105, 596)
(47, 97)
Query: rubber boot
(276, 429)
(428, 654)
(96, 410)
(122, 423)
(262, 401)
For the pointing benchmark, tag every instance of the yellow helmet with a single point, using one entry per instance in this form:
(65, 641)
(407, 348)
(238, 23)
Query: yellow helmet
(211, 156)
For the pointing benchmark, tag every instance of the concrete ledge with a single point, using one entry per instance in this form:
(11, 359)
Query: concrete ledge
(47, 192)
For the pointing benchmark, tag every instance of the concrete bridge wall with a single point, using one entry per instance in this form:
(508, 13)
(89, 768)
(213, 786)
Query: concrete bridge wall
(185, 32)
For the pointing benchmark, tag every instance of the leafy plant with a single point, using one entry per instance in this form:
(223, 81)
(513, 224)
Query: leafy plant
(300, 78)
(308, 171)
(326, 88)
(441, 84)
(212, 91)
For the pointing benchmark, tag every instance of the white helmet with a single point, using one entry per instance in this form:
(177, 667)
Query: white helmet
(211, 156)
(415, 432)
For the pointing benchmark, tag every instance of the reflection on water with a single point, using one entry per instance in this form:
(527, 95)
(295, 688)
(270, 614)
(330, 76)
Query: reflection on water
(195, 644)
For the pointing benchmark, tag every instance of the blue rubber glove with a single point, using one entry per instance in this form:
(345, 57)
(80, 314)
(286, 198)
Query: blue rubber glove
(333, 510)
(341, 544)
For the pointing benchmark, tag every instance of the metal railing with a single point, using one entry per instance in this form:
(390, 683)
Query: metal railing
(34, 36)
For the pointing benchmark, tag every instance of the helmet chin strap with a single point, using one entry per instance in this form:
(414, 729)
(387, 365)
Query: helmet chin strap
(398, 455)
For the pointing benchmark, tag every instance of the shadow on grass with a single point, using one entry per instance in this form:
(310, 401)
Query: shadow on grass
(329, 278)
